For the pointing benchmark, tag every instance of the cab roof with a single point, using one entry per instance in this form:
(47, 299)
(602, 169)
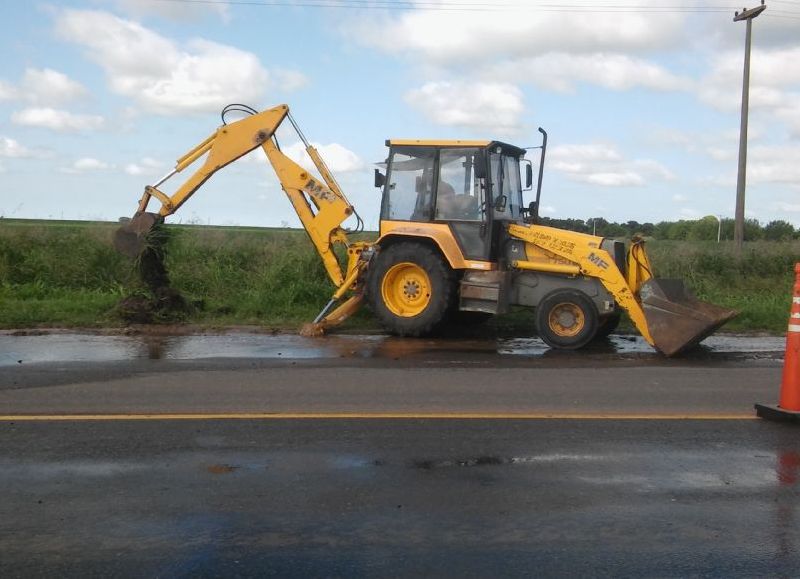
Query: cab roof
(451, 143)
(436, 143)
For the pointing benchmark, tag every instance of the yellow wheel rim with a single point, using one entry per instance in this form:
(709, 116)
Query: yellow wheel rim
(566, 320)
(406, 289)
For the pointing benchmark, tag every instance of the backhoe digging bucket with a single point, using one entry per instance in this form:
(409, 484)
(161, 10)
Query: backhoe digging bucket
(677, 320)
(130, 239)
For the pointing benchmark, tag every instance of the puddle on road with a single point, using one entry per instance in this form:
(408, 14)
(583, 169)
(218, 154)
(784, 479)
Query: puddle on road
(63, 347)
(723, 344)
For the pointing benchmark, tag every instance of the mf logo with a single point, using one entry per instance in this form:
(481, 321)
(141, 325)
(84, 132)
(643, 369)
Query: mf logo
(598, 261)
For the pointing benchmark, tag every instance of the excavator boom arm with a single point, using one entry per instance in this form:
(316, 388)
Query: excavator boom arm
(321, 205)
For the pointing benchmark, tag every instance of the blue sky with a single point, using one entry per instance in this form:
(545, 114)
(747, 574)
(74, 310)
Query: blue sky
(640, 99)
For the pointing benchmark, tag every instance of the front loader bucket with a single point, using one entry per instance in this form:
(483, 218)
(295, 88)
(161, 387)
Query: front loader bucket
(677, 320)
(130, 238)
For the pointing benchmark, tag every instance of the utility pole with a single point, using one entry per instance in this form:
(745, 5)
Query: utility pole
(738, 229)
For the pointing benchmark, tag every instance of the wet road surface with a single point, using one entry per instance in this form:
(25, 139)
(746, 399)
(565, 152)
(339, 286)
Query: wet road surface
(70, 347)
(377, 457)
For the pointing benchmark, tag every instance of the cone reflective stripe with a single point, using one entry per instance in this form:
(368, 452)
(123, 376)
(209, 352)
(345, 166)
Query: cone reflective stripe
(789, 404)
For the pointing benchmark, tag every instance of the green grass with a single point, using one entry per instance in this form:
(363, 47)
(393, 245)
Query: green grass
(759, 284)
(67, 274)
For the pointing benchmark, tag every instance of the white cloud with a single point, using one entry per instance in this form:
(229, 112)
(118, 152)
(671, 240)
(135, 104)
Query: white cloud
(161, 76)
(689, 213)
(12, 149)
(787, 207)
(179, 11)
(679, 198)
(602, 164)
(451, 37)
(788, 112)
(475, 105)
(338, 158)
(85, 165)
(43, 86)
(57, 120)
(561, 71)
(7, 91)
(290, 80)
(612, 179)
(721, 153)
(779, 164)
(48, 86)
(146, 167)
(554, 50)
(654, 168)
(575, 154)
(774, 164)
(774, 84)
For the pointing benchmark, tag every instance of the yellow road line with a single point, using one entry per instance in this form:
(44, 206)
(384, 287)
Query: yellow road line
(368, 416)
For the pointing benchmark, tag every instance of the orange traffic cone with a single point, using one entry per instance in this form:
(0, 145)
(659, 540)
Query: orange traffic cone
(788, 407)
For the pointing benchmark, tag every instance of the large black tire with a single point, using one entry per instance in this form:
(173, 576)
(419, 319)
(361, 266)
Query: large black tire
(566, 319)
(608, 325)
(406, 302)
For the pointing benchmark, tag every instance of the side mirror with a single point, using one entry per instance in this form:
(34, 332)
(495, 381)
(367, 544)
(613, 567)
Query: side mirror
(480, 166)
(528, 175)
(380, 179)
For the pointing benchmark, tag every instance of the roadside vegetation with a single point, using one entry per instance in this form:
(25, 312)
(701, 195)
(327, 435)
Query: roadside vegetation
(67, 274)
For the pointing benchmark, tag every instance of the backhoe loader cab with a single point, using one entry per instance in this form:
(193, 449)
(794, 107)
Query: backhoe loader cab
(465, 185)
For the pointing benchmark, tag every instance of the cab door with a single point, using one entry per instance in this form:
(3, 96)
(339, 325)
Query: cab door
(461, 200)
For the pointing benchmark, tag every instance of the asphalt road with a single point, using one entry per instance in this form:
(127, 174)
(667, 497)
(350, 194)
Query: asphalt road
(468, 464)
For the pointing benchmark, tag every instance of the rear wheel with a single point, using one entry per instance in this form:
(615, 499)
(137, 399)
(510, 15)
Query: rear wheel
(566, 319)
(410, 288)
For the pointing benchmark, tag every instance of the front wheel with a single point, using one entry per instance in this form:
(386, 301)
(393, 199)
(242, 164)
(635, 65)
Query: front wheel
(410, 288)
(566, 319)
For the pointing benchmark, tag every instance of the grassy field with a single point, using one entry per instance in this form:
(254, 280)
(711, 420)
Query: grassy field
(67, 274)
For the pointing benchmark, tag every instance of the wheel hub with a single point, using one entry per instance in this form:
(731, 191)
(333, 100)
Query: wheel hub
(405, 289)
(411, 289)
(566, 320)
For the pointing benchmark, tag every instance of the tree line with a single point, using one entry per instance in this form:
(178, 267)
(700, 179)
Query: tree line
(704, 229)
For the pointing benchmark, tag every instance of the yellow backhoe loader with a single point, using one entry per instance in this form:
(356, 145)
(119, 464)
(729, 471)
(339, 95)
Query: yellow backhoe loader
(454, 237)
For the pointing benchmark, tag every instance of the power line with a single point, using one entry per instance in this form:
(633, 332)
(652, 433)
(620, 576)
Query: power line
(466, 7)
(407, 5)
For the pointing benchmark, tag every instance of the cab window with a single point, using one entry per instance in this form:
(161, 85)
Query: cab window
(459, 194)
(505, 181)
(409, 189)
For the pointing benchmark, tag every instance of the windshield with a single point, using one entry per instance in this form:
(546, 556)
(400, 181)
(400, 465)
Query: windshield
(409, 193)
(505, 180)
